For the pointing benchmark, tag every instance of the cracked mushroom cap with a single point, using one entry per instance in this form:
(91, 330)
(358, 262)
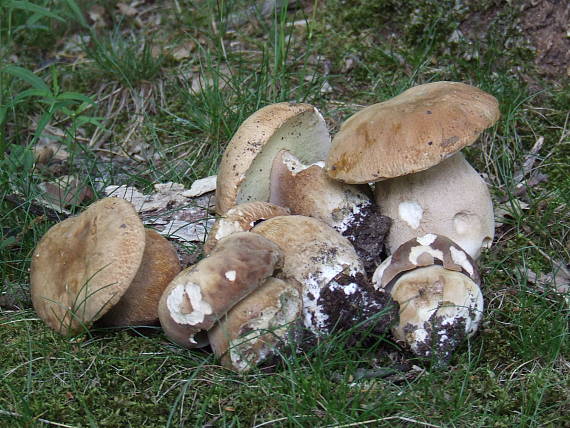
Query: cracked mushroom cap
(83, 265)
(410, 132)
(328, 268)
(241, 218)
(243, 175)
(449, 199)
(264, 321)
(436, 285)
(198, 296)
(139, 305)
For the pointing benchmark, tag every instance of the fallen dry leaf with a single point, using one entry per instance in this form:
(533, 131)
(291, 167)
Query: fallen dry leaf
(126, 9)
(201, 186)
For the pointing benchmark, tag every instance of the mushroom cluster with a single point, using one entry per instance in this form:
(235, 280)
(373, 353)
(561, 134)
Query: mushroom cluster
(303, 244)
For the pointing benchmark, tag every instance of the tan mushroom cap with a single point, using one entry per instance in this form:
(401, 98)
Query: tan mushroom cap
(410, 132)
(308, 191)
(252, 330)
(198, 296)
(449, 199)
(139, 304)
(243, 175)
(241, 218)
(315, 254)
(83, 265)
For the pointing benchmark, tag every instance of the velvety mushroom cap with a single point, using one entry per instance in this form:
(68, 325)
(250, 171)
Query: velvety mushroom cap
(139, 304)
(449, 199)
(243, 175)
(410, 132)
(241, 218)
(83, 265)
(256, 327)
(198, 296)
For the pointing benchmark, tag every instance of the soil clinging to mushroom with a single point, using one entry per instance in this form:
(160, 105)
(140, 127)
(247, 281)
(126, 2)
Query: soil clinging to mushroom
(350, 300)
(367, 233)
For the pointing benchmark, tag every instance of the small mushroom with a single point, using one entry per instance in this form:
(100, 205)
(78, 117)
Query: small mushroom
(139, 305)
(436, 284)
(336, 293)
(308, 191)
(259, 326)
(83, 265)
(199, 295)
(243, 175)
(241, 218)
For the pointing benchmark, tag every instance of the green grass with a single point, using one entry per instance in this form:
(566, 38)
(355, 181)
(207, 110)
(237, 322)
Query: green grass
(514, 372)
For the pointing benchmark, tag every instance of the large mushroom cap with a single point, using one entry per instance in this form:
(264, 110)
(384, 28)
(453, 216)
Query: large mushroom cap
(83, 265)
(410, 132)
(246, 164)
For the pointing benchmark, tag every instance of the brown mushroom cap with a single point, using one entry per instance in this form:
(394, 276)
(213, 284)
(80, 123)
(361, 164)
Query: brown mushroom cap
(315, 255)
(449, 199)
(241, 218)
(424, 251)
(410, 132)
(139, 304)
(243, 175)
(252, 330)
(198, 296)
(83, 265)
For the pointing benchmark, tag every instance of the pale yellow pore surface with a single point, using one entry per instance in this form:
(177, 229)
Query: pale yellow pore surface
(83, 265)
(244, 171)
(410, 132)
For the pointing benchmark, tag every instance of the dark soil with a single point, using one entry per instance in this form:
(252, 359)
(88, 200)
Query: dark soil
(367, 234)
(547, 24)
(372, 310)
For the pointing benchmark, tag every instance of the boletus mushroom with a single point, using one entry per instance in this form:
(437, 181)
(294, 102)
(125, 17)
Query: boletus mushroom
(243, 175)
(262, 324)
(436, 284)
(201, 294)
(84, 266)
(410, 133)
